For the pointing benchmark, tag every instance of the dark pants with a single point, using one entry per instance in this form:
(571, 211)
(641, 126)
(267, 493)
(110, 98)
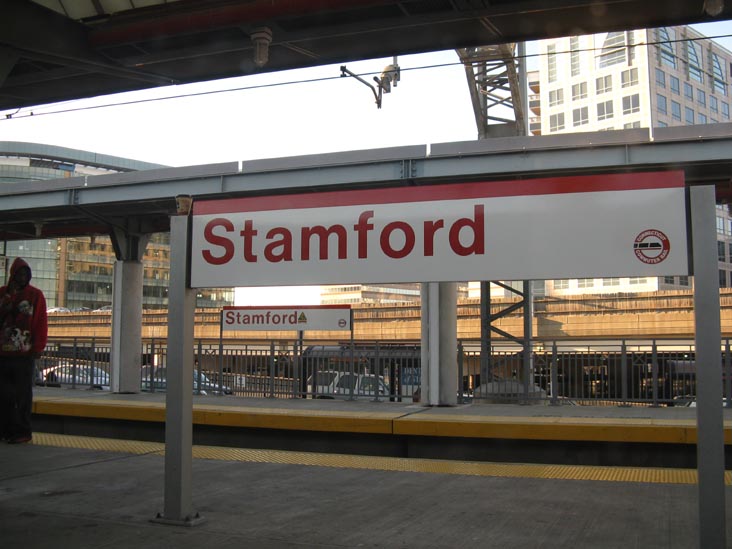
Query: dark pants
(16, 395)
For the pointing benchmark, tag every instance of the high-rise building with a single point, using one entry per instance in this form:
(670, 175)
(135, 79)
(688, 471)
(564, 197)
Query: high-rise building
(648, 78)
(77, 273)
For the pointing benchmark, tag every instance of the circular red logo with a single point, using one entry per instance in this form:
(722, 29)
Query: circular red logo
(651, 246)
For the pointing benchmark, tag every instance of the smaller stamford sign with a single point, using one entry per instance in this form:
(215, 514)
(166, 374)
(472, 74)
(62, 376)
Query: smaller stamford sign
(301, 317)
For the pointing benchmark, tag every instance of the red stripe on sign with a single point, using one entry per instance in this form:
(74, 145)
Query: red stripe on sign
(457, 191)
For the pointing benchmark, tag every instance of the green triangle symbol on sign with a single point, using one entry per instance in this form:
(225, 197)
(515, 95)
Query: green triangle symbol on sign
(302, 318)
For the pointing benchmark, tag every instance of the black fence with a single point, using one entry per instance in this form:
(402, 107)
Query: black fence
(647, 373)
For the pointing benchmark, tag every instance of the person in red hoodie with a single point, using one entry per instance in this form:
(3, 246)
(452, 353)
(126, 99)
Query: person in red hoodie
(23, 336)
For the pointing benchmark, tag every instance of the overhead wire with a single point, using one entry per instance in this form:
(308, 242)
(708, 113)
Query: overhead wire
(4, 117)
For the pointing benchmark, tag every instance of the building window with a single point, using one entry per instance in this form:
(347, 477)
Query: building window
(668, 280)
(556, 97)
(721, 248)
(725, 110)
(631, 103)
(556, 122)
(730, 251)
(579, 91)
(701, 98)
(575, 55)
(605, 110)
(683, 281)
(551, 51)
(713, 104)
(688, 91)
(720, 85)
(720, 225)
(662, 124)
(722, 278)
(660, 78)
(630, 125)
(580, 116)
(629, 78)
(562, 284)
(692, 60)
(676, 111)
(689, 115)
(613, 50)
(702, 118)
(604, 84)
(611, 281)
(675, 85)
(638, 280)
(661, 104)
(666, 47)
(585, 282)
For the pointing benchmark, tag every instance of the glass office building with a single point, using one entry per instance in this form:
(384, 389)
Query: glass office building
(77, 272)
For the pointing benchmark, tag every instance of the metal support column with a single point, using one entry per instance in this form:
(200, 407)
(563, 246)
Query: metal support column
(439, 343)
(126, 327)
(707, 324)
(486, 347)
(528, 352)
(179, 396)
(129, 248)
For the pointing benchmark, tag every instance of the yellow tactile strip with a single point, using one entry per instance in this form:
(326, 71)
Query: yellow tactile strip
(445, 467)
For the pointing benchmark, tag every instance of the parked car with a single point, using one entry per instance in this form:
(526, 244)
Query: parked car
(159, 382)
(691, 403)
(79, 375)
(58, 310)
(334, 383)
(104, 309)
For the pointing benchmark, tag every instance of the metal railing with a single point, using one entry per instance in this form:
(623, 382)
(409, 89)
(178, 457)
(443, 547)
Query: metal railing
(640, 373)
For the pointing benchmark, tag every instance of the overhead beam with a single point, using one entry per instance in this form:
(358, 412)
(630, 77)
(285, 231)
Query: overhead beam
(703, 154)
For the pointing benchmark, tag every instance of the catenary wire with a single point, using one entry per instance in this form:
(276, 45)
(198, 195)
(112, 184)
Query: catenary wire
(13, 116)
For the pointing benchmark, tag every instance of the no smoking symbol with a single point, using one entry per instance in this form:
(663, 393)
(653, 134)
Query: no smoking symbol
(651, 246)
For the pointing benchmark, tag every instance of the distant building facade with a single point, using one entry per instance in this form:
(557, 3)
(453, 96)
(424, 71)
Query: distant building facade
(343, 294)
(648, 78)
(77, 272)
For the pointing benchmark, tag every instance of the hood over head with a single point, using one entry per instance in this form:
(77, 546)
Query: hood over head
(18, 264)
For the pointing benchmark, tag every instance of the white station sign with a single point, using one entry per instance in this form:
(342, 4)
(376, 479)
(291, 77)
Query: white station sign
(303, 317)
(564, 227)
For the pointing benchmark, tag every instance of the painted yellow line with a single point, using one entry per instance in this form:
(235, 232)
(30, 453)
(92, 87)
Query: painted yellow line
(682, 431)
(117, 409)
(224, 416)
(553, 428)
(376, 463)
(300, 420)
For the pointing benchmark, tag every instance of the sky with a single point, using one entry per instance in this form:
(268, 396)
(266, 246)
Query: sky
(256, 118)
(259, 119)
(430, 105)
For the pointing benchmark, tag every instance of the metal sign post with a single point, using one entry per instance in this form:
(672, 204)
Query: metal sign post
(710, 427)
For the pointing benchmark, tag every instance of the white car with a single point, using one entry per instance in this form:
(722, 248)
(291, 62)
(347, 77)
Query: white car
(80, 376)
(334, 383)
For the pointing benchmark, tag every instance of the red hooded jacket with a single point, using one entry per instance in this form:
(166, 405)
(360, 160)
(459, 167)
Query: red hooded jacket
(23, 320)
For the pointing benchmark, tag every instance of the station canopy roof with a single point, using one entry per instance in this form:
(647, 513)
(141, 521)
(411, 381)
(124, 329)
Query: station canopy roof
(57, 50)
